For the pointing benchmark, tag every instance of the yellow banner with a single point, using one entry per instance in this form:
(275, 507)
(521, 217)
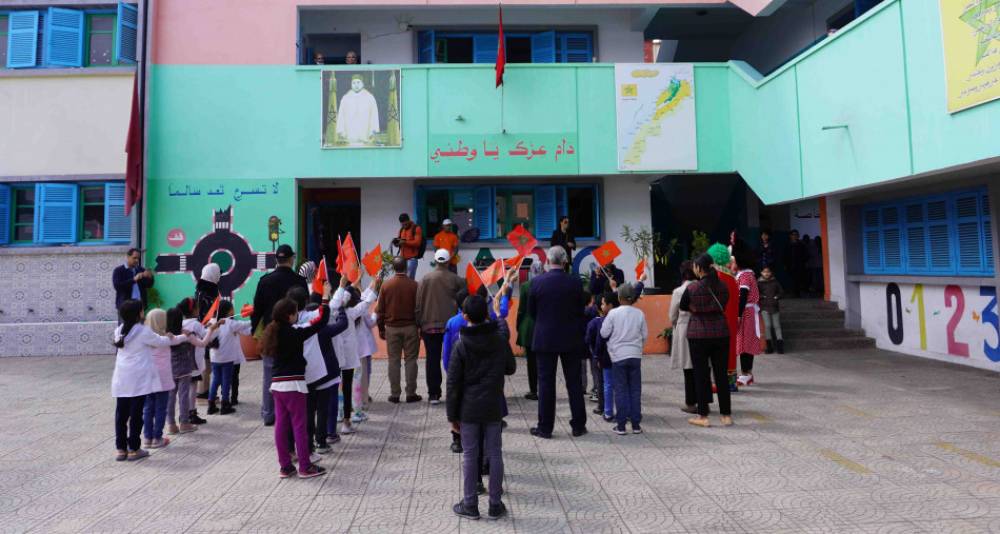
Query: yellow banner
(971, 38)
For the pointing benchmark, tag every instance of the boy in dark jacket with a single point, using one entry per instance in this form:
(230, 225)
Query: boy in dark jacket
(479, 362)
(770, 294)
(599, 355)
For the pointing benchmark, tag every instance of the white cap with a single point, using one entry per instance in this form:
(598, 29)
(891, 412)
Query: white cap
(446, 222)
(211, 273)
(442, 255)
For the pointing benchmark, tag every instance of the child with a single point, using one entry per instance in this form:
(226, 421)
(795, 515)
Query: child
(354, 305)
(134, 377)
(317, 372)
(225, 354)
(366, 347)
(288, 385)
(480, 360)
(748, 330)
(184, 363)
(770, 293)
(192, 324)
(625, 329)
(599, 354)
(325, 390)
(154, 411)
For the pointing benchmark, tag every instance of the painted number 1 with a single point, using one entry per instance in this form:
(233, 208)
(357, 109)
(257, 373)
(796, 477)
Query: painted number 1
(918, 296)
(954, 294)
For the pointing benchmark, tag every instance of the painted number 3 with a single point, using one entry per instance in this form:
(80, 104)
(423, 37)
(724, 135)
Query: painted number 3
(990, 318)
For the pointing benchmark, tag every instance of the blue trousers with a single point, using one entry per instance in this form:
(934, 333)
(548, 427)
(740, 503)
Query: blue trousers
(627, 377)
(472, 460)
(609, 392)
(154, 414)
(222, 374)
(411, 268)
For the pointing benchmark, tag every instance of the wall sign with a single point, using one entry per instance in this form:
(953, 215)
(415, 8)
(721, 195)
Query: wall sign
(360, 108)
(502, 154)
(656, 117)
(970, 35)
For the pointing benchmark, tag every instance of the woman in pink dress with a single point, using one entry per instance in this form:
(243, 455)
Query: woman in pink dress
(748, 331)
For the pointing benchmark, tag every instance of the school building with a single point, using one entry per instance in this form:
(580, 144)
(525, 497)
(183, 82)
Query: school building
(872, 124)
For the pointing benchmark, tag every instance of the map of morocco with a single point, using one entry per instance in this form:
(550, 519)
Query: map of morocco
(666, 103)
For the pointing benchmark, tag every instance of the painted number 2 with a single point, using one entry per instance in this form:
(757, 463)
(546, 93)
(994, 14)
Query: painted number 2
(954, 294)
(990, 318)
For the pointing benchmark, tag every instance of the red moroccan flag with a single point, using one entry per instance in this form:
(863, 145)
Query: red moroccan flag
(321, 276)
(246, 310)
(472, 280)
(501, 52)
(641, 268)
(522, 240)
(352, 267)
(373, 261)
(493, 273)
(340, 256)
(606, 253)
(214, 309)
(512, 263)
(133, 147)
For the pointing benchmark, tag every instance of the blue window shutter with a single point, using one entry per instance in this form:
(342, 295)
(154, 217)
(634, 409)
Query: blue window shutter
(545, 211)
(117, 225)
(22, 39)
(562, 206)
(63, 37)
(5, 220)
(892, 242)
(987, 235)
(484, 218)
(127, 37)
(484, 47)
(425, 47)
(543, 47)
(872, 241)
(916, 238)
(56, 213)
(968, 232)
(939, 240)
(577, 48)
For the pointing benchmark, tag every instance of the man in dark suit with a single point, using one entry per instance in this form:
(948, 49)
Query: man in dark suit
(273, 287)
(131, 280)
(557, 303)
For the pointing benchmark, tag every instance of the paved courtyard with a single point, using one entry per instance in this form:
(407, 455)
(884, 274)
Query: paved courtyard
(855, 442)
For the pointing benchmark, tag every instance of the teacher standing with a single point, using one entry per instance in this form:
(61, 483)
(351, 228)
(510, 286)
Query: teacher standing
(562, 237)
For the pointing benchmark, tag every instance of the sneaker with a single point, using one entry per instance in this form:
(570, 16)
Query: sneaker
(137, 455)
(147, 443)
(333, 440)
(539, 434)
(172, 429)
(314, 458)
(579, 432)
(121, 456)
(435, 401)
(196, 420)
(468, 512)
(750, 381)
(744, 380)
(413, 398)
(185, 428)
(313, 471)
(359, 417)
(286, 472)
(227, 409)
(497, 511)
(159, 443)
(531, 396)
(347, 429)
(213, 408)
(394, 399)
(636, 429)
(322, 448)
(609, 417)
(618, 429)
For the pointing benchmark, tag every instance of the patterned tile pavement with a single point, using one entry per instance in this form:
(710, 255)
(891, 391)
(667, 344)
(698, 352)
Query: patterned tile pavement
(854, 442)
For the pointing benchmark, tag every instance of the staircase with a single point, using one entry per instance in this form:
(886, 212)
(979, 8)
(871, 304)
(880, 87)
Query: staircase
(813, 324)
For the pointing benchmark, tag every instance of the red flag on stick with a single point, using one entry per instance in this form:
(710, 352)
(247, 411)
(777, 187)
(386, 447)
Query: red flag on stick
(340, 256)
(522, 240)
(373, 261)
(321, 276)
(214, 309)
(641, 268)
(133, 147)
(472, 280)
(501, 52)
(352, 267)
(606, 253)
(246, 310)
(493, 273)
(512, 263)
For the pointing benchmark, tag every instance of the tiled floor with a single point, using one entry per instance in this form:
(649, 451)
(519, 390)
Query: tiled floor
(853, 442)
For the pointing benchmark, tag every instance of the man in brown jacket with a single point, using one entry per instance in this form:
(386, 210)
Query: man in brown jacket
(437, 301)
(397, 325)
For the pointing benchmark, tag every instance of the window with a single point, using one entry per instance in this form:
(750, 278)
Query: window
(939, 235)
(59, 37)
(492, 211)
(64, 213)
(521, 47)
(3, 39)
(101, 40)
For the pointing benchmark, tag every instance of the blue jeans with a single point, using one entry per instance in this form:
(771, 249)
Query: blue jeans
(267, 401)
(472, 460)
(411, 268)
(627, 376)
(222, 374)
(154, 414)
(609, 392)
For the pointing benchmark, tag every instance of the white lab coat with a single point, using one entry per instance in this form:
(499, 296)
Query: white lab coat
(135, 370)
(366, 338)
(680, 353)
(315, 366)
(194, 326)
(230, 350)
(347, 344)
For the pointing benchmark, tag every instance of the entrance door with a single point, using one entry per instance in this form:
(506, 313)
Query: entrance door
(330, 213)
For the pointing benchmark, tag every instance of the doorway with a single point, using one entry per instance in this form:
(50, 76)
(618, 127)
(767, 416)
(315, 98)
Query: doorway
(329, 213)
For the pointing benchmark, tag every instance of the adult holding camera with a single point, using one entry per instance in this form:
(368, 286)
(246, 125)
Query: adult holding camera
(410, 242)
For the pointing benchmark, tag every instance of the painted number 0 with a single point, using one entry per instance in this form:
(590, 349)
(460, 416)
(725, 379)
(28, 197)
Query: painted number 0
(894, 311)
(954, 293)
(990, 318)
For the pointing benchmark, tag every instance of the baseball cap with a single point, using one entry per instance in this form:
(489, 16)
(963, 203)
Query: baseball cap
(284, 251)
(446, 222)
(442, 255)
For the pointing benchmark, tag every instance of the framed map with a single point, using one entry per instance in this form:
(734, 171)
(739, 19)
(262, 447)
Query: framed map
(656, 117)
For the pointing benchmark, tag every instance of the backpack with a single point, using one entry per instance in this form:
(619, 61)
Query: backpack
(422, 249)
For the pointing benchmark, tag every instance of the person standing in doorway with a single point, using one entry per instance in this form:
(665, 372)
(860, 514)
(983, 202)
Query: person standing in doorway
(397, 325)
(272, 287)
(768, 257)
(557, 302)
(563, 237)
(795, 264)
(411, 243)
(437, 302)
(447, 239)
(131, 280)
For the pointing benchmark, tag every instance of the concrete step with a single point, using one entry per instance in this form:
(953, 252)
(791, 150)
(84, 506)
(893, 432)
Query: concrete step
(789, 316)
(812, 333)
(828, 344)
(793, 304)
(811, 324)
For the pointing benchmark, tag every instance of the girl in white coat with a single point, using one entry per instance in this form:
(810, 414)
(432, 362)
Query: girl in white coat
(135, 376)
(366, 348)
(154, 412)
(225, 354)
(355, 305)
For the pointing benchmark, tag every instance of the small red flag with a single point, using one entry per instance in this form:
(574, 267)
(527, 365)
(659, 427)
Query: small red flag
(246, 310)
(501, 52)
(606, 253)
(512, 263)
(472, 280)
(211, 311)
(133, 147)
(641, 268)
(352, 267)
(522, 240)
(321, 276)
(493, 273)
(373, 261)
(340, 256)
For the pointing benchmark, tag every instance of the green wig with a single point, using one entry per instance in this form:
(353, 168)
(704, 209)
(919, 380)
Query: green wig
(720, 254)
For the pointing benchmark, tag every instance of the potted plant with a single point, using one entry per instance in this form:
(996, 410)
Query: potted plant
(667, 334)
(649, 245)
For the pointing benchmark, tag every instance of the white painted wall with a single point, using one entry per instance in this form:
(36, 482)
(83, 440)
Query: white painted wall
(64, 125)
(626, 201)
(383, 42)
(772, 40)
(835, 248)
